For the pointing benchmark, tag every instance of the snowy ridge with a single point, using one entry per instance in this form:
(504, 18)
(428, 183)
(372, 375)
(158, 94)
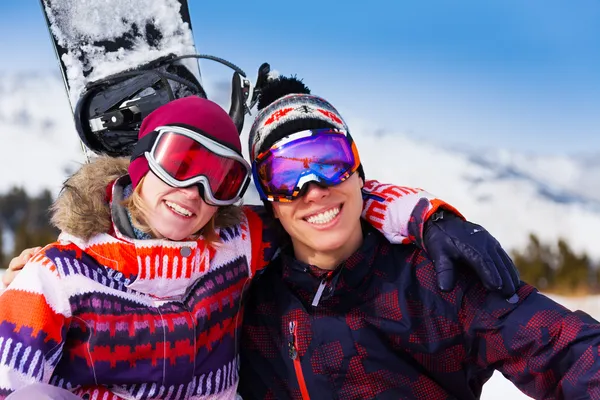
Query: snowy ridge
(39, 142)
(511, 194)
(508, 195)
(81, 25)
(568, 182)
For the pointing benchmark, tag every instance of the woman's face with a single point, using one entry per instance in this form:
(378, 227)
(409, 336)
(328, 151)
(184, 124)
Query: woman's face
(174, 213)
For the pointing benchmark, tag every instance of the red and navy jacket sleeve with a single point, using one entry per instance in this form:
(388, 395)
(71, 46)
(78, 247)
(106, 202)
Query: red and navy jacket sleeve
(546, 350)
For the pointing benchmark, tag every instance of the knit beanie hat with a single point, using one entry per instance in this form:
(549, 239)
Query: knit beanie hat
(286, 107)
(197, 114)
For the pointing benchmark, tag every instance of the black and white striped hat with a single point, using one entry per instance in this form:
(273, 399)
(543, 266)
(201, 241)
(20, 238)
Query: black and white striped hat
(287, 107)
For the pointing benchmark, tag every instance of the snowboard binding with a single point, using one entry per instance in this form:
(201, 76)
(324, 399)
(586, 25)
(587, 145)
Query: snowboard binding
(261, 81)
(110, 111)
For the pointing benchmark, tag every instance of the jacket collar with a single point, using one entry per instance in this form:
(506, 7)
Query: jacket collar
(158, 267)
(345, 278)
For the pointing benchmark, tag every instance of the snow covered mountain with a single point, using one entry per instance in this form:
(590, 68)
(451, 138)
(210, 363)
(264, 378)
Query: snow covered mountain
(39, 144)
(512, 194)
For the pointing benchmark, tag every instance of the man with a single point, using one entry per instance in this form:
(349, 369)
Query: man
(343, 313)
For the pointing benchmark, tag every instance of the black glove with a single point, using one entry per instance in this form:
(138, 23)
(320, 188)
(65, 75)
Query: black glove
(449, 240)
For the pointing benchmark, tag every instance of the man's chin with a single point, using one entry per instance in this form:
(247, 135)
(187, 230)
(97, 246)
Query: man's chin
(327, 245)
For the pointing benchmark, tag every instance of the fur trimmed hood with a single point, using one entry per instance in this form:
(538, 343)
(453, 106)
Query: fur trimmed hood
(82, 208)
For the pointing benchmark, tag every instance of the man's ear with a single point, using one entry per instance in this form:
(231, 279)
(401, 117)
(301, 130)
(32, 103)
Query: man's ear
(362, 182)
(275, 210)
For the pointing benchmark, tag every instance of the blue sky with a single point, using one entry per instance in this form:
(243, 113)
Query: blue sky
(521, 75)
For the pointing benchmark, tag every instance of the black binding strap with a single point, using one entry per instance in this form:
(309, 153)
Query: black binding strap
(143, 145)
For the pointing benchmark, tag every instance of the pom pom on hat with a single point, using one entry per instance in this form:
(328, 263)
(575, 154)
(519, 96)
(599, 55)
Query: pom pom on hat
(279, 87)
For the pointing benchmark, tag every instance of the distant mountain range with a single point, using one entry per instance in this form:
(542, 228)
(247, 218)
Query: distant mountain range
(510, 193)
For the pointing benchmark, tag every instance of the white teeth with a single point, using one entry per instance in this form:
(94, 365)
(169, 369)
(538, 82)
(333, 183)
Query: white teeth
(178, 209)
(324, 217)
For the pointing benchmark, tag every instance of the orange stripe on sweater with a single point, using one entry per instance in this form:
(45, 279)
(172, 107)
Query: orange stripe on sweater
(30, 310)
(123, 257)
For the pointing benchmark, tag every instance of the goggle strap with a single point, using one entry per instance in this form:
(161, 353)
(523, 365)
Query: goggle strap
(206, 135)
(144, 144)
(258, 185)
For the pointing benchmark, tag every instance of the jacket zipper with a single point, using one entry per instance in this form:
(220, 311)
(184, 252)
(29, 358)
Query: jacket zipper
(321, 289)
(293, 353)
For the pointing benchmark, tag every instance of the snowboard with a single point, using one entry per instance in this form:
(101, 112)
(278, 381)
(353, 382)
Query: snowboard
(122, 59)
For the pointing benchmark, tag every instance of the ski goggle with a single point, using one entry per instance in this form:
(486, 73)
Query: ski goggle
(326, 156)
(182, 157)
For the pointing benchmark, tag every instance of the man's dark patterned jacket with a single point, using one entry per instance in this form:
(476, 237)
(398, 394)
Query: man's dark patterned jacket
(379, 328)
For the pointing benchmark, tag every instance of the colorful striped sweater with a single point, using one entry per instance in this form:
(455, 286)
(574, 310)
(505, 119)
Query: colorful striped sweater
(115, 317)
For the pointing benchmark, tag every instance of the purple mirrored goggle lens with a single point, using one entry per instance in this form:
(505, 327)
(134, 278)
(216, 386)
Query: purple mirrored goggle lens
(327, 157)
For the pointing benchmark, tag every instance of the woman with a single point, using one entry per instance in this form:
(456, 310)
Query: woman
(140, 296)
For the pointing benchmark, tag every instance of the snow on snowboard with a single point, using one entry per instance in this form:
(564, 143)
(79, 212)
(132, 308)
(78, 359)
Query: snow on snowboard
(121, 59)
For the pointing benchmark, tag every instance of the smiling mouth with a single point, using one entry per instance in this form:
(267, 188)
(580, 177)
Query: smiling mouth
(179, 210)
(324, 217)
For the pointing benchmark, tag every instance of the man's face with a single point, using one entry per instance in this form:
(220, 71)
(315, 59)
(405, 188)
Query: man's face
(324, 220)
